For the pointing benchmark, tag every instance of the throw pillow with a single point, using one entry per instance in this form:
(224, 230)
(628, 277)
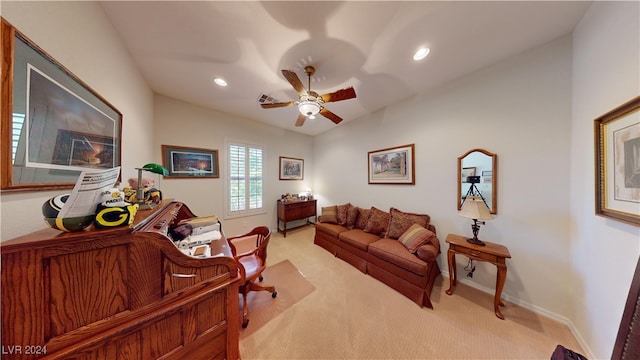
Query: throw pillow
(352, 216)
(378, 222)
(363, 218)
(329, 214)
(341, 214)
(415, 237)
(401, 221)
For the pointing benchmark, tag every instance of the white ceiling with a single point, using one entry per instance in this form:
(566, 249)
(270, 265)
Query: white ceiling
(181, 46)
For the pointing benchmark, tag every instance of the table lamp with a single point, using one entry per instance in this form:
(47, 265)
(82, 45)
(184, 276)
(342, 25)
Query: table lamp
(151, 167)
(475, 208)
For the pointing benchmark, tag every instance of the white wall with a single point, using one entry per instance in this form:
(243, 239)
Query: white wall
(604, 252)
(182, 124)
(79, 36)
(519, 109)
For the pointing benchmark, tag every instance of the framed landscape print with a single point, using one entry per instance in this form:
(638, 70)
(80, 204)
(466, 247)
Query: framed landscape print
(392, 165)
(190, 162)
(617, 155)
(53, 124)
(291, 168)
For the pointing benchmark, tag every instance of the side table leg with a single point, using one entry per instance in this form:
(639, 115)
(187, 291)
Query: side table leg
(451, 255)
(501, 277)
(284, 230)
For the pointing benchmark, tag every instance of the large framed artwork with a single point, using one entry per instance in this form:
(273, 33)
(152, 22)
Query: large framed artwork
(53, 124)
(617, 140)
(392, 165)
(190, 162)
(291, 168)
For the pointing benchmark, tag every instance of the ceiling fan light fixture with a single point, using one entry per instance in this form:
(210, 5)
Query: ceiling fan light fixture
(309, 108)
(421, 53)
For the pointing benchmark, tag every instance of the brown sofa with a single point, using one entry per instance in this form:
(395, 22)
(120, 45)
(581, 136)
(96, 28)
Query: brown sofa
(398, 248)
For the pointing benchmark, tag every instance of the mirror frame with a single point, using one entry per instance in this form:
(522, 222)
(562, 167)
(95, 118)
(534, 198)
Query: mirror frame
(494, 181)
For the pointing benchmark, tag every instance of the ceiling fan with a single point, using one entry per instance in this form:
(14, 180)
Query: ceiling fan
(310, 103)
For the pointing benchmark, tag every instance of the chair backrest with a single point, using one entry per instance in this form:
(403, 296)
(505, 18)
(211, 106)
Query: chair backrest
(262, 242)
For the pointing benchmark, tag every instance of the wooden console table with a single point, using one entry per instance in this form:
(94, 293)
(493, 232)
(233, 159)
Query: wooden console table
(295, 210)
(491, 252)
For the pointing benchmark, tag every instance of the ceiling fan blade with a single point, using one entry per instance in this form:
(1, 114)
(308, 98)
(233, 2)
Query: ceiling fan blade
(331, 116)
(344, 94)
(294, 80)
(301, 119)
(276, 105)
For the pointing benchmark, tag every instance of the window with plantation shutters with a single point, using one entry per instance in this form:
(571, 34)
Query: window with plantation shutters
(244, 180)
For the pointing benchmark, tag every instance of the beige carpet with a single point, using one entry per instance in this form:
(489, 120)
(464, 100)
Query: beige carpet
(291, 286)
(350, 315)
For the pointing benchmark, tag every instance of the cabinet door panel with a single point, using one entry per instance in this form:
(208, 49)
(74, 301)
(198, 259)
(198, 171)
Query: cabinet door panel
(162, 337)
(85, 287)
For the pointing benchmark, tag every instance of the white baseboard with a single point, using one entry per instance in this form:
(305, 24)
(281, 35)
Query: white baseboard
(534, 308)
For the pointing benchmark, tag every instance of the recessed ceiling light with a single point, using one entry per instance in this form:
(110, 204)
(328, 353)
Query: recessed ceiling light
(421, 53)
(220, 81)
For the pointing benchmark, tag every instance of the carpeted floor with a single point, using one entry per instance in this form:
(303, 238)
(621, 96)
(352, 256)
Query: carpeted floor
(350, 315)
(291, 286)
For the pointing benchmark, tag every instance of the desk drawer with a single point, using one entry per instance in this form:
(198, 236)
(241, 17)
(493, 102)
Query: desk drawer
(475, 254)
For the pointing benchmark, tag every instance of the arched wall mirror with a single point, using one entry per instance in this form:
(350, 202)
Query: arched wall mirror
(478, 168)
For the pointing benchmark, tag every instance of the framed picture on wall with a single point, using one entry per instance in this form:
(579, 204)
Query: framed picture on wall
(617, 163)
(54, 126)
(190, 162)
(291, 168)
(394, 165)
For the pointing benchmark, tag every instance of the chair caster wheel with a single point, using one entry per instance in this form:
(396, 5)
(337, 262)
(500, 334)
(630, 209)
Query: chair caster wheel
(245, 324)
(274, 294)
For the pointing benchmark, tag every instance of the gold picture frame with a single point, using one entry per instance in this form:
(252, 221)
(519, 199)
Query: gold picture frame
(617, 163)
(291, 168)
(394, 165)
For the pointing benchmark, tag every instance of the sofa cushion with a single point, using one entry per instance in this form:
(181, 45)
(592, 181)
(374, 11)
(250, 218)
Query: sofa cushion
(392, 251)
(329, 214)
(341, 213)
(414, 237)
(401, 221)
(363, 218)
(378, 222)
(352, 216)
(330, 229)
(358, 238)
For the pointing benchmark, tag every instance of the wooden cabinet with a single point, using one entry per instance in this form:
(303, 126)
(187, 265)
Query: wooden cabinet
(295, 210)
(120, 293)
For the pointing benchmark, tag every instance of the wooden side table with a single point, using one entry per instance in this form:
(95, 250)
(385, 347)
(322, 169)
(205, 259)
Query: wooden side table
(295, 210)
(491, 252)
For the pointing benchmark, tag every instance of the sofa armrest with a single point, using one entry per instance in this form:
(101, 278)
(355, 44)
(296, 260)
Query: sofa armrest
(427, 252)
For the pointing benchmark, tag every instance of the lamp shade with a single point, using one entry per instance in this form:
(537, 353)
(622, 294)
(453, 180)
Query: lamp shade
(155, 168)
(475, 208)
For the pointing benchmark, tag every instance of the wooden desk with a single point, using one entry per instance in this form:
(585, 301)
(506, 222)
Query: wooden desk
(118, 293)
(295, 210)
(491, 252)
